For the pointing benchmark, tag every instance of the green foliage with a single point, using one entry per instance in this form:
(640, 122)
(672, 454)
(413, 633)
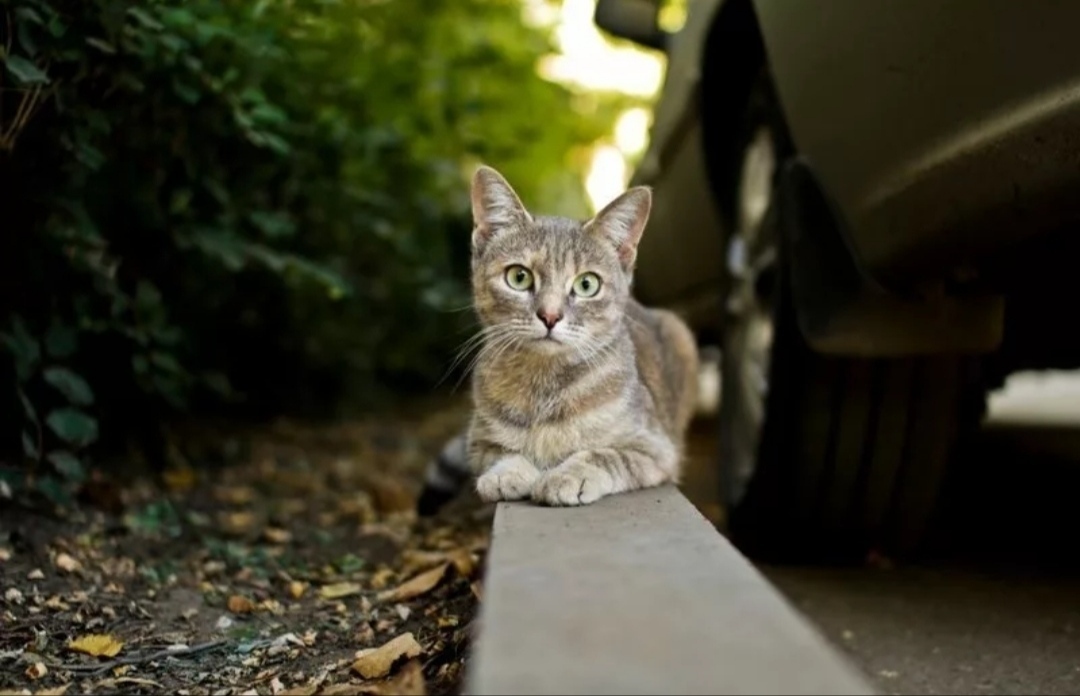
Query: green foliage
(252, 205)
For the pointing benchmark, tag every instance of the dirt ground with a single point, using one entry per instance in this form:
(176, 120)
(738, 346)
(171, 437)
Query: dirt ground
(294, 565)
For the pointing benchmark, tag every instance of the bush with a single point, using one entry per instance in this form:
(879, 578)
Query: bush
(251, 208)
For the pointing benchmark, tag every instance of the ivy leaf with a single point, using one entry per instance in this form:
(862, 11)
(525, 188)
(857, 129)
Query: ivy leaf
(144, 18)
(71, 385)
(30, 448)
(24, 347)
(25, 71)
(68, 465)
(102, 45)
(73, 426)
(28, 408)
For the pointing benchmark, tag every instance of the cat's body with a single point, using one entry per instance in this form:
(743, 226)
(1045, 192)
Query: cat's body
(578, 391)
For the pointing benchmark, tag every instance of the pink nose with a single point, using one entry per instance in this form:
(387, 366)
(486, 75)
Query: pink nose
(550, 319)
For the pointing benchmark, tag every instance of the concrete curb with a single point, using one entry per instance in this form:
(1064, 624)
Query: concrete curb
(638, 594)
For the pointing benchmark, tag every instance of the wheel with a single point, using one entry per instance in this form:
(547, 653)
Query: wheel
(822, 458)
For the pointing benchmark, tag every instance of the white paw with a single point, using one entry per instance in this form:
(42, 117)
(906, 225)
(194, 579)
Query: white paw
(574, 482)
(510, 478)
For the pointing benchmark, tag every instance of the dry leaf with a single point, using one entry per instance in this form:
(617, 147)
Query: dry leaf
(235, 495)
(239, 604)
(419, 560)
(297, 589)
(276, 535)
(390, 494)
(419, 585)
(342, 690)
(300, 690)
(381, 577)
(408, 682)
(237, 522)
(477, 590)
(97, 644)
(179, 479)
(36, 670)
(55, 691)
(339, 590)
(376, 663)
(138, 681)
(35, 574)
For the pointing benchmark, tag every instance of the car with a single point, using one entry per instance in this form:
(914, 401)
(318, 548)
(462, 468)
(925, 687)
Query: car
(871, 207)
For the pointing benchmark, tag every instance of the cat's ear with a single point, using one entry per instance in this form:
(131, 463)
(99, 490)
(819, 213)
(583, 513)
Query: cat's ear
(495, 206)
(622, 221)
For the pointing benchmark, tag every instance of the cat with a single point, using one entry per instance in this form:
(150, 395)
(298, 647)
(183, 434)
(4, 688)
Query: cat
(579, 392)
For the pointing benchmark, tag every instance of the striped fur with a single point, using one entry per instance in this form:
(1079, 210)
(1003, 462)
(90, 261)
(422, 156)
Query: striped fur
(597, 405)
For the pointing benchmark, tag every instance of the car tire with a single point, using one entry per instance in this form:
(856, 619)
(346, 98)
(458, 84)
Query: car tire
(823, 458)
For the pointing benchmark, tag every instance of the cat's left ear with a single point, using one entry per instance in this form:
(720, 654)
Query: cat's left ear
(622, 221)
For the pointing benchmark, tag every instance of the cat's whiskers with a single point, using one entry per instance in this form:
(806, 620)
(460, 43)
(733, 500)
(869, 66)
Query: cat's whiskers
(475, 343)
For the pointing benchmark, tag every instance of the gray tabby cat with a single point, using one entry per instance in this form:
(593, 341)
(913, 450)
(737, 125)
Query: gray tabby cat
(579, 392)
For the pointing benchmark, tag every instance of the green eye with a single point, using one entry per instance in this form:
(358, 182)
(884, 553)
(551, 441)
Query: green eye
(519, 278)
(586, 285)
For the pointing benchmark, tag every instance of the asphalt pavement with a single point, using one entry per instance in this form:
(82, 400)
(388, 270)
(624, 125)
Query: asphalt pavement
(996, 607)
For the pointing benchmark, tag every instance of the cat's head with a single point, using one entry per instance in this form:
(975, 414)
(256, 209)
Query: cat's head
(551, 284)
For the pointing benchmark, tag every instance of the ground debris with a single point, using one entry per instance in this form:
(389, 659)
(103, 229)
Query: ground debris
(300, 569)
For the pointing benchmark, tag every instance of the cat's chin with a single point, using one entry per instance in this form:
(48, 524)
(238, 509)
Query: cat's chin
(548, 345)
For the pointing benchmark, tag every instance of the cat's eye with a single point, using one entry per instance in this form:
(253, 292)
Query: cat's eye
(519, 278)
(586, 285)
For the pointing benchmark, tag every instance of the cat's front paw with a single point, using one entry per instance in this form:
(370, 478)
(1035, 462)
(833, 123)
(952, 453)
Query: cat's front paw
(510, 478)
(577, 481)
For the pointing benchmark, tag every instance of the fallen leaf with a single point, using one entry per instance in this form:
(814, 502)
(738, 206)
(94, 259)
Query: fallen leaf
(239, 604)
(237, 523)
(461, 558)
(342, 690)
(297, 589)
(476, 590)
(276, 687)
(36, 670)
(339, 590)
(179, 479)
(35, 574)
(419, 585)
(138, 681)
(67, 563)
(376, 663)
(381, 578)
(390, 494)
(300, 690)
(97, 644)
(235, 495)
(55, 691)
(276, 535)
(408, 682)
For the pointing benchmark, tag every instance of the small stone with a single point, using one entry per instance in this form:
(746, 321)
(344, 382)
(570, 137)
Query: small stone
(36, 574)
(14, 596)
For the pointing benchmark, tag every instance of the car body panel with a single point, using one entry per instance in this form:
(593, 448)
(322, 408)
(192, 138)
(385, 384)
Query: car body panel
(682, 248)
(942, 130)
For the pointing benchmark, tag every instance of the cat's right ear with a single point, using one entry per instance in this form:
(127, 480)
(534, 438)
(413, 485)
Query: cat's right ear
(495, 206)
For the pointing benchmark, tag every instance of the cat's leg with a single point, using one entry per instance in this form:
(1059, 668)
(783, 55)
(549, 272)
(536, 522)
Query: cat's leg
(588, 475)
(504, 475)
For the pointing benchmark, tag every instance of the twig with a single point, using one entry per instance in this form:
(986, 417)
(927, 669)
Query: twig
(94, 670)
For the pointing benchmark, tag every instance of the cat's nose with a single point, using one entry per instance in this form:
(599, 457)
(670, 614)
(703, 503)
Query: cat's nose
(549, 318)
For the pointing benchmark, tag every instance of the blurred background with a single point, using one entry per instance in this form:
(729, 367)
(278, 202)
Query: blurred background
(259, 209)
